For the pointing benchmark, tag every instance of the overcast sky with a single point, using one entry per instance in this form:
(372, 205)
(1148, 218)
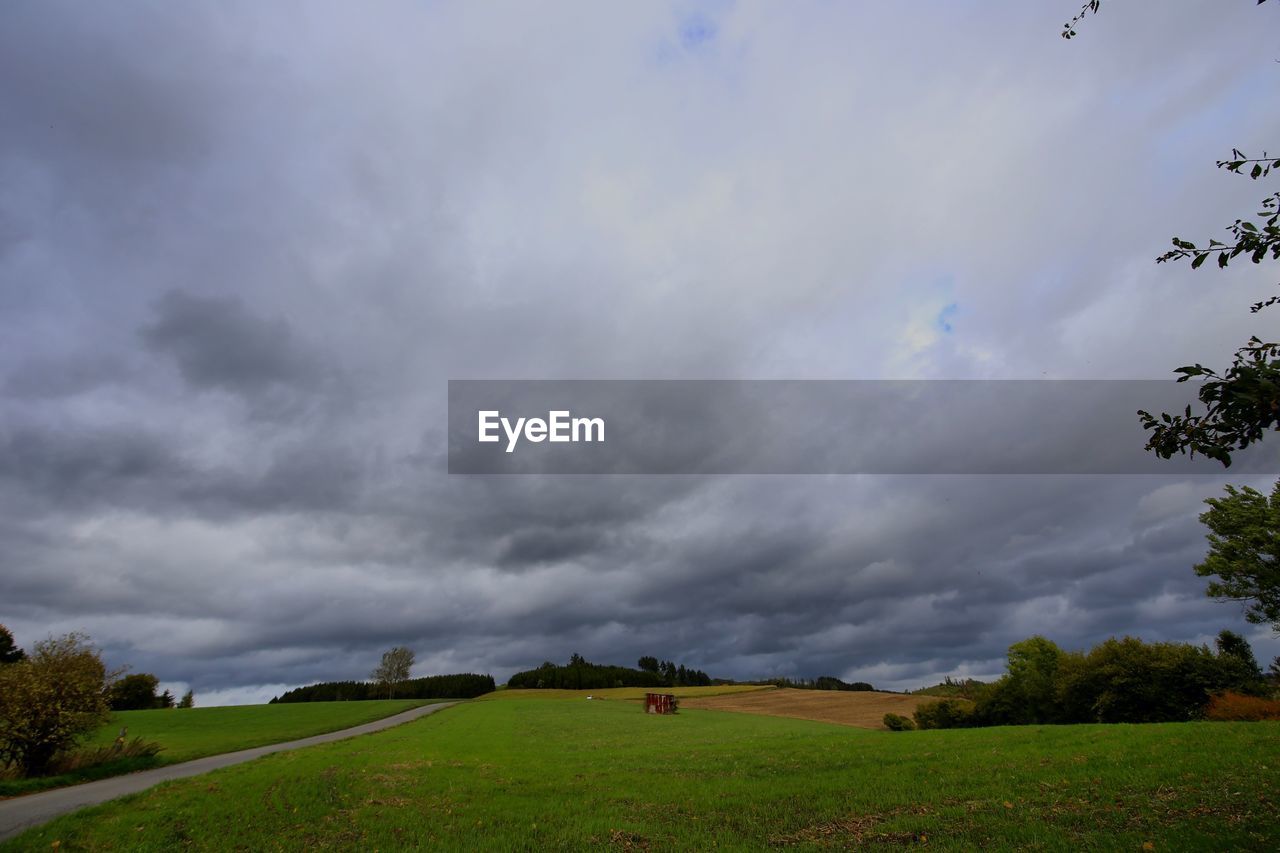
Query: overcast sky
(243, 246)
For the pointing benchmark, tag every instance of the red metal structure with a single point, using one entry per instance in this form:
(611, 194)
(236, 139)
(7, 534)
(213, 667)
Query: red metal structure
(659, 703)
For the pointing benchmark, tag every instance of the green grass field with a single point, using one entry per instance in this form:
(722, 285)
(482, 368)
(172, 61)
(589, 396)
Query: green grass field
(570, 774)
(196, 732)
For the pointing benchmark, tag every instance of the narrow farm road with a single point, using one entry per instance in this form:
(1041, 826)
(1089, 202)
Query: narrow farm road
(22, 813)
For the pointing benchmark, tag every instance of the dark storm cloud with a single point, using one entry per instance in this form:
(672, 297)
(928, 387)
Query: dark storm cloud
(244, 247)
(218, 344)
(86, 467)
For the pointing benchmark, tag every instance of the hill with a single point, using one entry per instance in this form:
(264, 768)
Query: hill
(569, 774)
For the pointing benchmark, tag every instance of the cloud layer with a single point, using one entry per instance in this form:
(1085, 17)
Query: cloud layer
(244, 246)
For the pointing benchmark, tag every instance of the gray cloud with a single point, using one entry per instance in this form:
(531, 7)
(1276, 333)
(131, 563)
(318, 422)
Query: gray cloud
(241, 255)
(218, 344)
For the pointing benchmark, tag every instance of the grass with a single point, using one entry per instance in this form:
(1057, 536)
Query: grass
(570, 774)
(19, 787)
(196, 732)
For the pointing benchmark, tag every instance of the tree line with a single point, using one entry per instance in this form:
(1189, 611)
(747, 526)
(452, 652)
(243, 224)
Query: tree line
(581, 674)
(822, 682)
(457, 686)
(1122, 680)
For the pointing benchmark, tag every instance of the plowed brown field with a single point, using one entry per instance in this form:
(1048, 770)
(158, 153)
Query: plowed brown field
(849, 708)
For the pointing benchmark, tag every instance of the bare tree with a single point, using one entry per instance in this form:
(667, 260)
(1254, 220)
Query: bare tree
(394, 668)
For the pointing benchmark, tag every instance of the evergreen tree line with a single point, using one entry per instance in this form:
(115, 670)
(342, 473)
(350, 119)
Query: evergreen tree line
(822, 682)
(580, 674)
(459, 686)
(1117, 681)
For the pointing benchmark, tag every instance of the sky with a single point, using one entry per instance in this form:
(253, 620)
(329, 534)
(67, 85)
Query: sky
(244, 246)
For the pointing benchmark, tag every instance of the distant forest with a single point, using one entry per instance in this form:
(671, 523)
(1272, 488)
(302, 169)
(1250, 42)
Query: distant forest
(822, 682)
(460, 686)
(580, 674)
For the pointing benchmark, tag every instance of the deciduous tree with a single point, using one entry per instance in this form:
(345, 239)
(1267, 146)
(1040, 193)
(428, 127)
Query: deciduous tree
(135, 692)
(394, 668)
(1244, 551)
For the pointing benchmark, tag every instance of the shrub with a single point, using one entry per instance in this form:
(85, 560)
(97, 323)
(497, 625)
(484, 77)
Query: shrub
(84, 758)
(898, 723)
(49, 701)
(944, 714)
(1230, 706)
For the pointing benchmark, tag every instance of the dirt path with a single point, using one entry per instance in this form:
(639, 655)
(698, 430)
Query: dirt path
(22, 813)
(850, 708)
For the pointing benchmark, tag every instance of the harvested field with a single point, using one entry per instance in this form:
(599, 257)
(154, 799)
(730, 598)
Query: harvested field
(865, 710)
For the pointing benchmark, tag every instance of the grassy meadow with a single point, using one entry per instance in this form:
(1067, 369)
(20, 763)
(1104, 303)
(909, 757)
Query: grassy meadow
(561, 773)
(189, 733)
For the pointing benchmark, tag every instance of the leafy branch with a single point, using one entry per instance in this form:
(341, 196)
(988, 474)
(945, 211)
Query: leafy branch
(1257, 242)
(1069, 28)
(1091, 8)
(1243, 403)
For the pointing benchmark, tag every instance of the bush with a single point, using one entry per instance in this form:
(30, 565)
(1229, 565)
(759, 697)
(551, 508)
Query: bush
(944, 714)
(898, 723)
(49, 701)
(1230, 706)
